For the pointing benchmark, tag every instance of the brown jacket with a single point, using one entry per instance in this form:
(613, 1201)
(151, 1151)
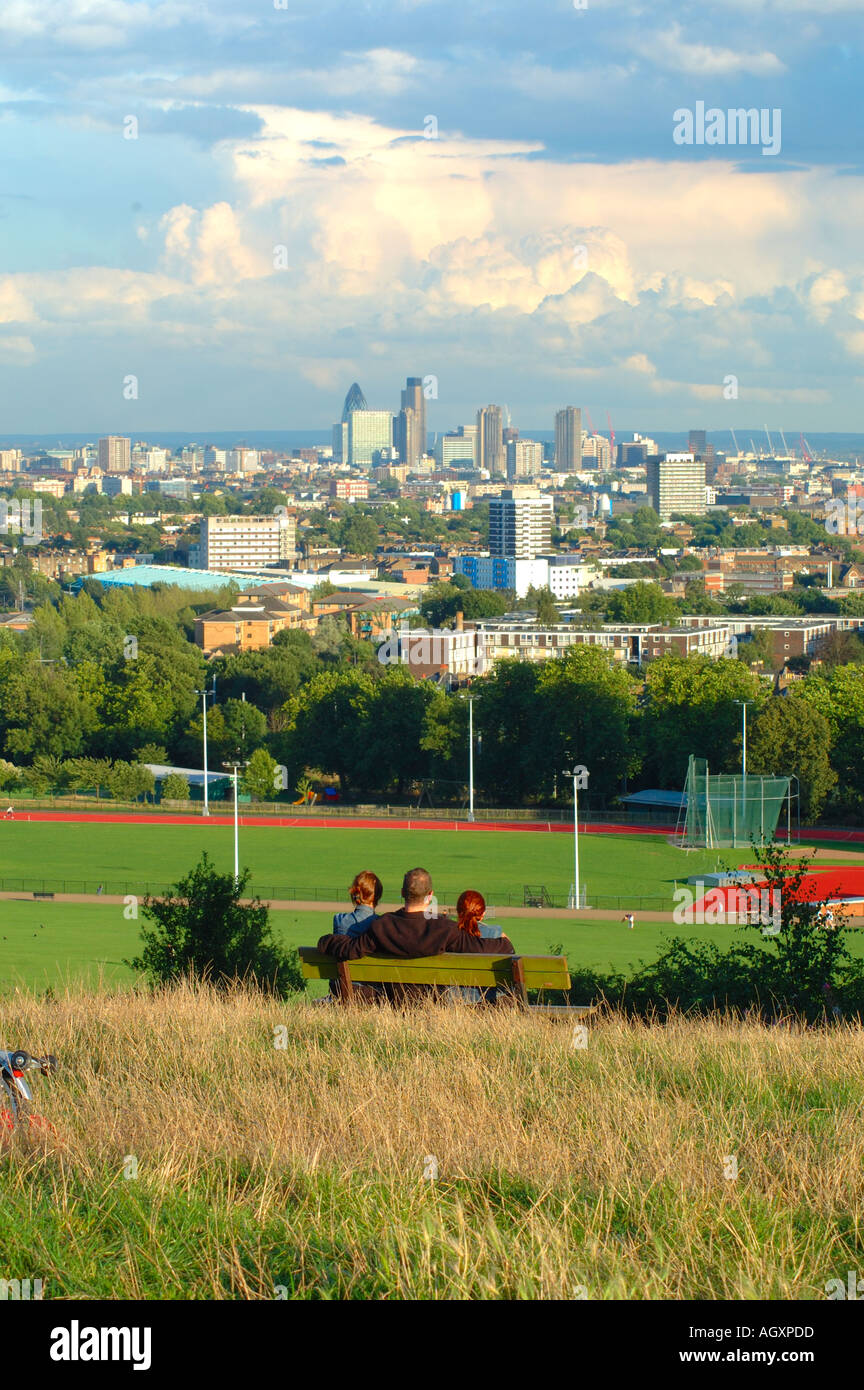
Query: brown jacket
(410, 934)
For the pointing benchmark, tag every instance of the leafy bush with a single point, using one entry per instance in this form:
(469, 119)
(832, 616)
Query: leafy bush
(806, 970)
(203, 929)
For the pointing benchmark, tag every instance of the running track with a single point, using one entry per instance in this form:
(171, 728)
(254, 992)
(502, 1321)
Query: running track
(386, 823)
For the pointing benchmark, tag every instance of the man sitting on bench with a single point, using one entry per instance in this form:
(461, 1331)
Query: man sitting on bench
(415, 930)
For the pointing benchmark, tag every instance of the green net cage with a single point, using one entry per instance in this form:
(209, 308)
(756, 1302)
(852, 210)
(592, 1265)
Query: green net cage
(724, 810)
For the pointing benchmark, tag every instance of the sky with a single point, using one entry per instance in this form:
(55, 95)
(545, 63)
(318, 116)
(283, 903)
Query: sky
(217, 214)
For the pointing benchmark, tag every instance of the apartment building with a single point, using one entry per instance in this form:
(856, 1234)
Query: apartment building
(250, 624)
(636, 644)
(246, 542)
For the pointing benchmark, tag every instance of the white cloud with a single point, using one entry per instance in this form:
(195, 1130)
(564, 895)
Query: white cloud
(645, 282)
(671, 50)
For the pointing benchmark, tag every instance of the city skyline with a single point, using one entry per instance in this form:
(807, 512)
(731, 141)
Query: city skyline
(224, 214)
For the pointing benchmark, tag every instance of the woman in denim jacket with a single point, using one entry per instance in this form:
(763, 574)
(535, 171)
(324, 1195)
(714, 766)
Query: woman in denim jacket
(365, 893)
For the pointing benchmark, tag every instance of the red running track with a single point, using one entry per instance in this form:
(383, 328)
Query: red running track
(388, 823)
(331, 823)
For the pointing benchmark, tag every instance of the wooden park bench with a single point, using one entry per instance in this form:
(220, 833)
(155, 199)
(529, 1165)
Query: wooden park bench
(514, 975)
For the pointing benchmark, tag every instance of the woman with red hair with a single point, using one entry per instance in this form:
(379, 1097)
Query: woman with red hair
(470, 911)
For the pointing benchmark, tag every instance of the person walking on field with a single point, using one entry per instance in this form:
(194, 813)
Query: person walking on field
(629, 919)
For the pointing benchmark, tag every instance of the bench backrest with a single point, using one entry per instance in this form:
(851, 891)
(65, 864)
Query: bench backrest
(450, 968)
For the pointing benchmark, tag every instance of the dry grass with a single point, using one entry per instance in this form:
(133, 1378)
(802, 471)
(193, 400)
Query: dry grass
(302, 1167)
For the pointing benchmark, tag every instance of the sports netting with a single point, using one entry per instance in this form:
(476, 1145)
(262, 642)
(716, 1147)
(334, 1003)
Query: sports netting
(724, 810)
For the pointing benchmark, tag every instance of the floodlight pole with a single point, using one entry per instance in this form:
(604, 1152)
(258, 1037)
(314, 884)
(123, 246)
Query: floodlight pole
(203, 694)
(744, 704)
(236, 832)
(576, 893)
(234, 768)
(470, 758)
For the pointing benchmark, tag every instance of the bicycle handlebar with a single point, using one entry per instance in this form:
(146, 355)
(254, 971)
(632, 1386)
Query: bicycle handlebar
(23, 1061)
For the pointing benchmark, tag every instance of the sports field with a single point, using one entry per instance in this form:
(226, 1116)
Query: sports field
(52, 943)
(321, 863)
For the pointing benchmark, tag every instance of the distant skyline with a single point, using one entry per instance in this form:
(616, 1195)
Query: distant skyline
(281, 224)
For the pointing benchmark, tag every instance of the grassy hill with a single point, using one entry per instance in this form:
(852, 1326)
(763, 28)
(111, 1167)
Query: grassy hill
(297, 1171)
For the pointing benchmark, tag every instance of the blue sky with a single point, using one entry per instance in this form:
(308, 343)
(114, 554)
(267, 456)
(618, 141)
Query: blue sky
(553, 245)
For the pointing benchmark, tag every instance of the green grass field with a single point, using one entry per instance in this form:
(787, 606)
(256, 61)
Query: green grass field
(495, 862)
(44, 944)
(55, 944)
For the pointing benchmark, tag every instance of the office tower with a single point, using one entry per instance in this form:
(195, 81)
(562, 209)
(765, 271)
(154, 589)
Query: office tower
(340, 441)
(457, 450)
(246, 542)
(115, 454)
(568, 439)
(369, 431)
(520, 524)
(524, 458)
(354, 400)
(676, 483)
(697, 442)
(596, 452)
(413, 399)
(408, 433)
(490, 439)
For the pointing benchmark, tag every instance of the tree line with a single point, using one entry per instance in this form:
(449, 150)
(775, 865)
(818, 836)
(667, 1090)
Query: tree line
(70, 690)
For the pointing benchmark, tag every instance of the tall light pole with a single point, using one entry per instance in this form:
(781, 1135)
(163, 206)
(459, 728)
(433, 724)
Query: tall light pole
(203, 694)
(575, 775)
(470, 758)
(744, 704)
(234, 768)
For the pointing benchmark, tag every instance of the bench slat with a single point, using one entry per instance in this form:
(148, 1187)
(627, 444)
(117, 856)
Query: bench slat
(451, 968)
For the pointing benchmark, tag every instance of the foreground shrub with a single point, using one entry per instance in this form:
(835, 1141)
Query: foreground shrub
(203, 930)
(804, 969)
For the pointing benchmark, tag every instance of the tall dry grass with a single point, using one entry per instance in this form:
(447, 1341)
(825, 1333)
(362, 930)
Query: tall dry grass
(265, 1171)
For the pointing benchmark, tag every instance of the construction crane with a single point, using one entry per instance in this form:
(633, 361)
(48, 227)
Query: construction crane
(785, 445)
(770, 445)
(735, 442)
(611, 436)
(805, 449)
(590, 422)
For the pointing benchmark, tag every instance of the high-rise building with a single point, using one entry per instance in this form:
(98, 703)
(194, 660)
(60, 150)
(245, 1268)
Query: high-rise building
(457, 449)
(568, 439)
(524, 458)
(247, 542)
(340, 441)
(676, 483)
(490, 439)
(412, 442)
(369, 431)
(697, 442)
(408, 428)
(520, 524)
(354, 400)
(596, 452)
(115, 454)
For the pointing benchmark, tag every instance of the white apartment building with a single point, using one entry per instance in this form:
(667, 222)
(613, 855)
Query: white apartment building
(246, 542)
(676, 483)
(520, 524)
